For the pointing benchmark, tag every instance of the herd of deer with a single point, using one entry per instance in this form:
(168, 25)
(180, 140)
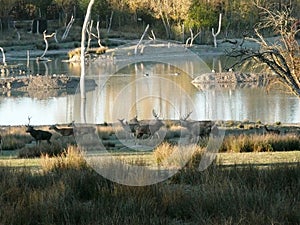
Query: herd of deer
(134, 127)
(150, 129)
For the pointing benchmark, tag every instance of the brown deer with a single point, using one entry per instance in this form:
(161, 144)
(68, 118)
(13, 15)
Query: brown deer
(150, 128)
(130, 127)
(39, 135)
(197, 128)
(62, 131)
(81, 130)
(271, 131)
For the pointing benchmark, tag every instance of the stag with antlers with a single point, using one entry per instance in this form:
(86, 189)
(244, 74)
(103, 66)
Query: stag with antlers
(151, 128)
(38, 135)
(198, 128)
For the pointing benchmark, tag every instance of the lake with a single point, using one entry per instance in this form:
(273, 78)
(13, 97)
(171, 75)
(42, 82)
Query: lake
(138, 87)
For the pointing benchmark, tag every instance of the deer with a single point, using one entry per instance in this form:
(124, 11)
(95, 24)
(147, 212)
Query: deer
(81, 130)
(130, 127)
(271, 131)
(150, 128)
(198, 128)
(38, 135)
(62, 131)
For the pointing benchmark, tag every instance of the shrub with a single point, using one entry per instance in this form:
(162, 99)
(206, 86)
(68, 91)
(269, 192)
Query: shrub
(42, 149)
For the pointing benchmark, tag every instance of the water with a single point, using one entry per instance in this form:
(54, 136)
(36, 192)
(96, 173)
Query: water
(138, 88)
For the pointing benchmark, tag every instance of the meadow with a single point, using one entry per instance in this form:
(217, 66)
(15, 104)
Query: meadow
(239, 187)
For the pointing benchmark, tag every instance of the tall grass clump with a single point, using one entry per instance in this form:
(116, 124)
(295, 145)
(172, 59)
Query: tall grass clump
(71, 158)
(260, 143)
(177, 156)
(14, 138)
(14, 141)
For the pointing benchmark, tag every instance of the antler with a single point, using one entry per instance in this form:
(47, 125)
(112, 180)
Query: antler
(29, 118)
(186, 116)
(155, 114)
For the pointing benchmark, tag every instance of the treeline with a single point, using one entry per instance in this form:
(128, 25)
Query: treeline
(169, 18)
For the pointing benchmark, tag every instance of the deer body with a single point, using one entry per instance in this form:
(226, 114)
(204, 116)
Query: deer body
(198, 128)
(129, 127)
(39, 135)
(150, 128)
(81, 130)
(62, 131)
(271, 131)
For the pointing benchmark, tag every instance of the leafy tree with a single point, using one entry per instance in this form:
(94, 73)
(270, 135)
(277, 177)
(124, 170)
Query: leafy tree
(42, 6)
(67, 7)
(6, 6)
(201, 15)
(100, 8)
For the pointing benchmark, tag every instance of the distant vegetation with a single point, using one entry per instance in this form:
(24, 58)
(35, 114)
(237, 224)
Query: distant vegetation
(169, 19)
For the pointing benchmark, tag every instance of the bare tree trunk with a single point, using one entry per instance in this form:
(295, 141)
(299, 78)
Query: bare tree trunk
(190, 40)
(138, 44)
(110, 21)
(89, 32)
(3, 57)
(82, 53)
(66, 33)
(98, 34)
(47, 45)
(218, 32)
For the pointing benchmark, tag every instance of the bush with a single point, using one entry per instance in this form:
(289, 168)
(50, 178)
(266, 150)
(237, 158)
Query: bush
(43, 149)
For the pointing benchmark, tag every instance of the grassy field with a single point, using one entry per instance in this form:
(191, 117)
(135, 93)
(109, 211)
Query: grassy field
(65, 190)
(10, 158)
(55, 185)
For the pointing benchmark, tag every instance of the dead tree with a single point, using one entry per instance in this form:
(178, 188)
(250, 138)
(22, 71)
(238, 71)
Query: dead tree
(218, 32)
(66, 33)
(110, 21)
(140, 41)
(3, 57)
(47, 45)
(280, 58)
(189, 42)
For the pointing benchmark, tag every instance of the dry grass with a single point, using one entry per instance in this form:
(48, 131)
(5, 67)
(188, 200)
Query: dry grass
(260, 143)
(71, 157)
(177, 156)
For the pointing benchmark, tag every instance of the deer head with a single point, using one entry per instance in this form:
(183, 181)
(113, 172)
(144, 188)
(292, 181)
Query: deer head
(186, 116)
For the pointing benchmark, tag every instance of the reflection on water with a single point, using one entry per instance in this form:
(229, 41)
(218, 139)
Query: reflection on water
(140, 87)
